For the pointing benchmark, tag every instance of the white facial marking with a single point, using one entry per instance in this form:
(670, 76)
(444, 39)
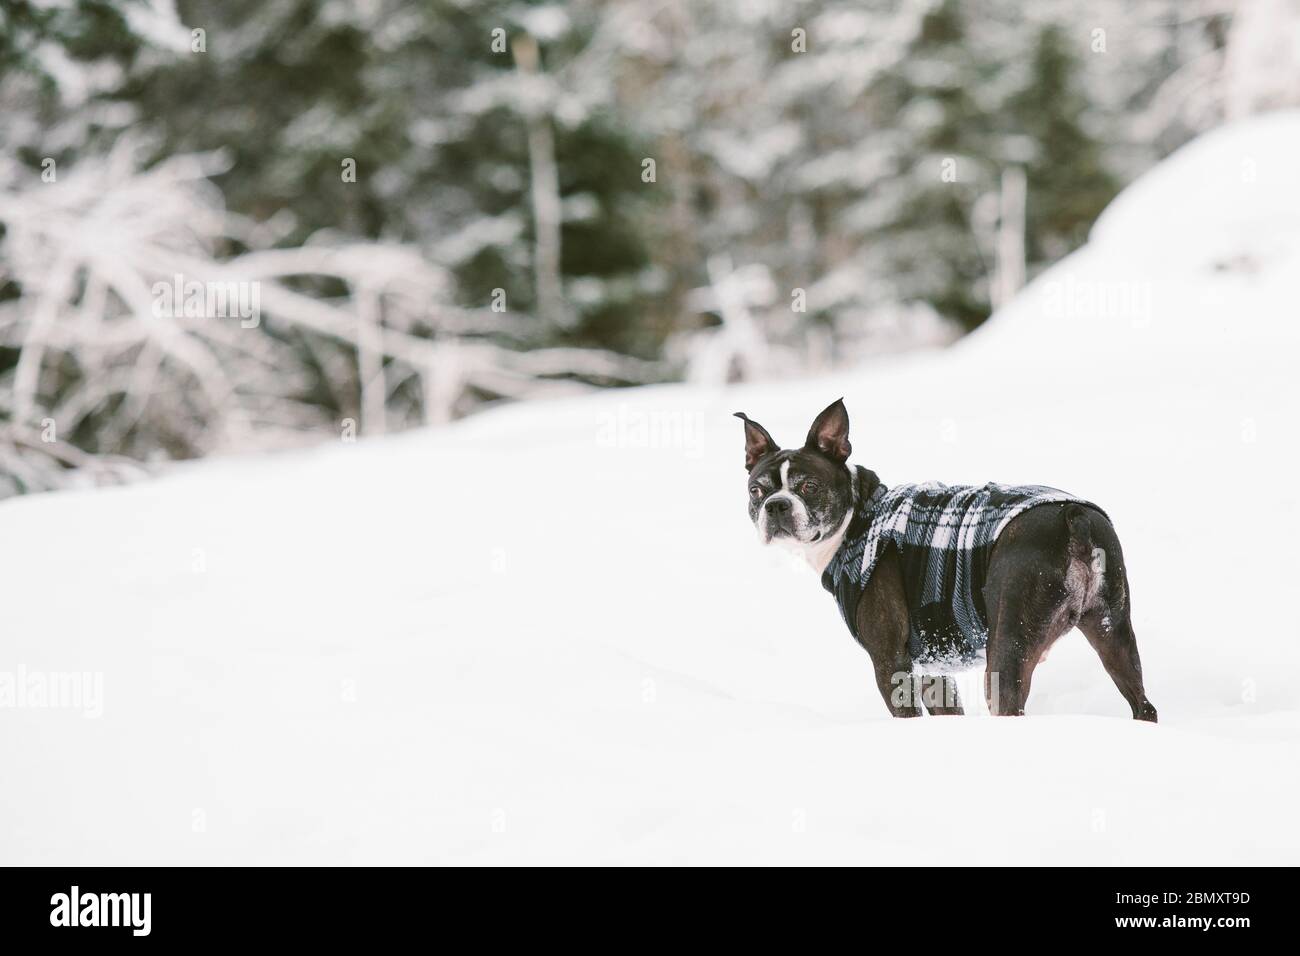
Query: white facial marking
(798, 513)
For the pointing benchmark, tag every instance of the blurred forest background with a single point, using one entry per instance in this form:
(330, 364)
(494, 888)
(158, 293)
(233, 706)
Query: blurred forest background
(447, 203)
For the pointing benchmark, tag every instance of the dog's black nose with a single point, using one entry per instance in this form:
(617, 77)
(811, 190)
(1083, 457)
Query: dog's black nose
(777, 506)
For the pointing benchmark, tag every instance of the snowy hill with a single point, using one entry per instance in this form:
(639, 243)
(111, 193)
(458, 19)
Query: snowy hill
(547, 634)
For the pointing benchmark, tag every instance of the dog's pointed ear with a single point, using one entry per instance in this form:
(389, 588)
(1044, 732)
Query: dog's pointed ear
(830, 432)
(757, 441)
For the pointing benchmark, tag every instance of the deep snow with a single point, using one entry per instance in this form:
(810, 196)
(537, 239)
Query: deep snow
(547, 634)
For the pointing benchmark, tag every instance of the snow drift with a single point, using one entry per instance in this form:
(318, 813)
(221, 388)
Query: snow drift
(547, 635)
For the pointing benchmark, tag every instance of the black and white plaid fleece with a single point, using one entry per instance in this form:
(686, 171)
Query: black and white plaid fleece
(944, 536)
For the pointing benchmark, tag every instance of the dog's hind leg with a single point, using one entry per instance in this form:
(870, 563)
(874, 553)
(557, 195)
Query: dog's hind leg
(1014, 650)
(1113, 640)
(1029, 607)
(1105, 622)
(939, 694)
(1007, 671)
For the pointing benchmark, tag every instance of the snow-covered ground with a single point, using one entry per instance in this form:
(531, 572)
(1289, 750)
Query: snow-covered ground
(547, 634)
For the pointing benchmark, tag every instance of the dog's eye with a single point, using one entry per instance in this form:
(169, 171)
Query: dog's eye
(809, 487)
(755, 492)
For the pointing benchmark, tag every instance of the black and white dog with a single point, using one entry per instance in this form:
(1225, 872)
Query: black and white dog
(932, 579)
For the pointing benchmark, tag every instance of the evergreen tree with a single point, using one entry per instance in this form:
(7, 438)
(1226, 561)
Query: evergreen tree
(1069, 182)
(430, 104)
(945, 160)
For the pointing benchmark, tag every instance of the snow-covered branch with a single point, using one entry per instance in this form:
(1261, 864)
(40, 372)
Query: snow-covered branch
(136, 337)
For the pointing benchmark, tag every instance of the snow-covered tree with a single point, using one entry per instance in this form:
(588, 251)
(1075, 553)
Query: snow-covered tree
(450, 203)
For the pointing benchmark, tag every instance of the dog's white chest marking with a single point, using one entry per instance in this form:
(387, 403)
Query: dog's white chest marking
(819, 555)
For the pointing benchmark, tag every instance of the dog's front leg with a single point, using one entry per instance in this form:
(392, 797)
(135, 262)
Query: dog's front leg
(899, 686)
(882, 630)
(940, 696)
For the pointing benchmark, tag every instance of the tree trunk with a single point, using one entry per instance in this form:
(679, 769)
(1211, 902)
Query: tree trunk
(1009, 264)
(544, 190)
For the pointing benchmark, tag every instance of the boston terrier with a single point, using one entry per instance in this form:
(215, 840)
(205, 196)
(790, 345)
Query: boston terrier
(932, 579)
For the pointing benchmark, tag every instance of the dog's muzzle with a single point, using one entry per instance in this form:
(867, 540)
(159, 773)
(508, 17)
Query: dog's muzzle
(778, 515)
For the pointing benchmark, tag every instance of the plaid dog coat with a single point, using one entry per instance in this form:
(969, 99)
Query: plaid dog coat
(944, 537)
